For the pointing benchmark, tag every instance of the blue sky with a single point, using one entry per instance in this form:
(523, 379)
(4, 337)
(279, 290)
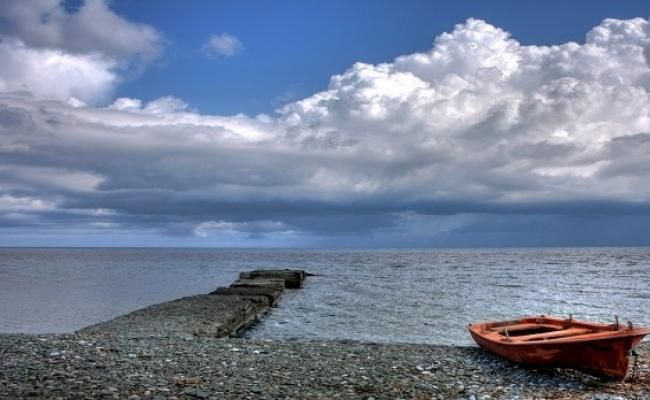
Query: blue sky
(292, 48)
(324, 124)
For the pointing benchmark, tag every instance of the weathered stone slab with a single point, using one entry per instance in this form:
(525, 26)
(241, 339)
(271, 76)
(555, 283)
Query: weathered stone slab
(260, 302)
(201, 315)
(272, 294)
(293, 278)
(274, 283)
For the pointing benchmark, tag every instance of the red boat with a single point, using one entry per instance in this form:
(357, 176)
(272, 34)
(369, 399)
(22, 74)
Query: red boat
(596, 348)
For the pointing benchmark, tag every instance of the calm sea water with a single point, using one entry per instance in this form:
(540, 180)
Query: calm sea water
(423, 296)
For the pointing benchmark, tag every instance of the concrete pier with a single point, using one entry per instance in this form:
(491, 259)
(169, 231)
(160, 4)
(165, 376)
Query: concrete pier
(221, 313)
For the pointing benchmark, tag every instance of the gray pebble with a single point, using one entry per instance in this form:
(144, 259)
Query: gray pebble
(196, 393)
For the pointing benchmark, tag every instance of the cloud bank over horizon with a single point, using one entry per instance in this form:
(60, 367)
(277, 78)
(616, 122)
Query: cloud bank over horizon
(478, 140)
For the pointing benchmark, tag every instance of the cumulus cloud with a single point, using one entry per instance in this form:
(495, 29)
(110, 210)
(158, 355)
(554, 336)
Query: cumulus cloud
(94, 27)
(223, 45)
(478, 125)
(72, 56)
(55, 74)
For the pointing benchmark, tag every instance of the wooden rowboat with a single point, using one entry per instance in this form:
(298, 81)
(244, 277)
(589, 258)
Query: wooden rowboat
(596, 348)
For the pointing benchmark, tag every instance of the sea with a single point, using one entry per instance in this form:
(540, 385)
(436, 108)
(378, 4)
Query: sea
(393, 296)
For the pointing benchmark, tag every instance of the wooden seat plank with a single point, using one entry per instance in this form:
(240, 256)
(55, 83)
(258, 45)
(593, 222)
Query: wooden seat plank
(521, 327)
(553, 335)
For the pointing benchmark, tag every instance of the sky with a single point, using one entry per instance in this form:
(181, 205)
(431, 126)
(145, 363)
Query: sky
(324, 124)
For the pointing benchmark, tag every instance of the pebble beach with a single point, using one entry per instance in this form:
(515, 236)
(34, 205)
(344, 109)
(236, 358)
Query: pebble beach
(118, 367)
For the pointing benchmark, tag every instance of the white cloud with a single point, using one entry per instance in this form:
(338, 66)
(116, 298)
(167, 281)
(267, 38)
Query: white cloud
(57, 178)
(458, 119)
(210, 228)
(225, 45)
(126, 104)
(479, 123)
(92, 28)
(160, 106)
(12, 204)
(75, 57)
(166, 105)
(55, 74)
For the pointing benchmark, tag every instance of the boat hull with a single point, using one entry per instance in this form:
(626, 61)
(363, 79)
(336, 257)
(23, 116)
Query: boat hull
(603, 352)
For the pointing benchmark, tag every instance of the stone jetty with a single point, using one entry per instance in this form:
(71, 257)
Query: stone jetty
(223, 312)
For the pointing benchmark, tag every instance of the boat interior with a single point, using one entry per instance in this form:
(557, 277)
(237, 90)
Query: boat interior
(542, 329)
